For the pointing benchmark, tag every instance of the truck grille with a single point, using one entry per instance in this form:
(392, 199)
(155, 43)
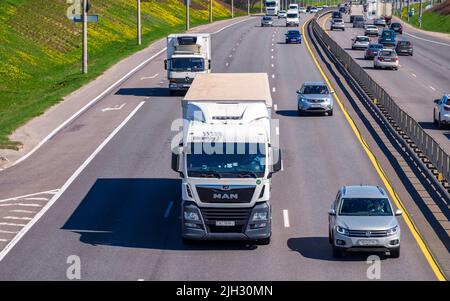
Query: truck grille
(225, 194)
(367, 233)
(240, 217)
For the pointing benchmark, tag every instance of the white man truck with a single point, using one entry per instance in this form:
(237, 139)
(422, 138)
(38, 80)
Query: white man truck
(272, 7)
(187, 56)
(226, 158)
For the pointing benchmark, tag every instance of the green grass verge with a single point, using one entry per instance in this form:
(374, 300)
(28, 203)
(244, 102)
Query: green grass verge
(40, 49)
(431, 21)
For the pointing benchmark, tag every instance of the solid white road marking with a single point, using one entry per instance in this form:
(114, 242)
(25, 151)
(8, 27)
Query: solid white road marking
(8, 232)
(431, 41)
(22, 211)
(54, 191)
(36, 199)
(18, 218)
(166, 215)
(413, 75)
(11, 224)
(104, 93)
(286, 218)
(150, 77)
(115, 108)
(80, 169)
(20, 204)
(432, 88)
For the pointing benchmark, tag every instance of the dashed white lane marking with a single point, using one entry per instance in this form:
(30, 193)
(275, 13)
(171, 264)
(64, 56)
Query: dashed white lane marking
(140, 279)
(8, 232)
(286, 218)
(20, 204)
(432, 88)
(234, 49)
(272, 57)
(54, 191)
(413, 75)
(273, 89)
(282, 165)
(275, 107)
(273, 65)
(150, 77)
(1, 239)
(271, 49)
(227, 64)
(273, 44)
(277, 129)
(166, 214)
(431, 41)
(230, 55)
(22, 211)
(273, 75)
(11, 224)
(18, 218)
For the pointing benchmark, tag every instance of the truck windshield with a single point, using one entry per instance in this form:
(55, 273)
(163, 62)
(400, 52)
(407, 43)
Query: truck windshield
(271, 4)
(226, 160)
(187, 64)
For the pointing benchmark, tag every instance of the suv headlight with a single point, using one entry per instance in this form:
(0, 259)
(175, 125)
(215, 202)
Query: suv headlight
(341, 230)
(191, 216)
(259, 216)
(392, 231)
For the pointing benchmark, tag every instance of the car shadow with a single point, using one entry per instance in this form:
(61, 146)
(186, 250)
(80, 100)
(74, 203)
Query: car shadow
(427, 125)
(319, 248)
(145, 92)
(134, 213)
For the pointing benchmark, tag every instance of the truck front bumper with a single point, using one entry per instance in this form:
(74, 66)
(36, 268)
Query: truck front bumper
(208, 228)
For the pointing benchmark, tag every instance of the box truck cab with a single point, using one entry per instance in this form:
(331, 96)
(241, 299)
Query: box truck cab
(293, 7)
(187, 56)
(272, 7)
(292, 18)
(226, 158)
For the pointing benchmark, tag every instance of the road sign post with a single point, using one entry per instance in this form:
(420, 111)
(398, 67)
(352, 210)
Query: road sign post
(85, 37)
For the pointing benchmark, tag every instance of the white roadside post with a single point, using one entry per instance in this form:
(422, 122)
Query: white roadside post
(85, 37)
(139, 25)
(188, 3)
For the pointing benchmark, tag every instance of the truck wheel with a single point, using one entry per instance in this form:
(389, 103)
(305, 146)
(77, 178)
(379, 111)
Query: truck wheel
(395, 253)
(337, 253)
(264, 241)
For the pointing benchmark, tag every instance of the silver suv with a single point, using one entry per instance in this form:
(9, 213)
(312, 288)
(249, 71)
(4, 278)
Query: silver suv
(315, 97)
(362, 219)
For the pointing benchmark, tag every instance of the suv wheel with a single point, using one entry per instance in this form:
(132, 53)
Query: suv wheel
(395, 253)
(337, 253)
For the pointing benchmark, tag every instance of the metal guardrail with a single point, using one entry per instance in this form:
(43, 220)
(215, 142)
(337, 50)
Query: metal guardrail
(424, 142)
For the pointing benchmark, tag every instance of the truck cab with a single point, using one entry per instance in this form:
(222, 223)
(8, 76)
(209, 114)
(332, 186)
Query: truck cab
(226, 158)
(187, 56)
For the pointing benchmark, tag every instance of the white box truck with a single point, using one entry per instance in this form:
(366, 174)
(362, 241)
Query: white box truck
(272, 7)
(226, 158)
(187, 56)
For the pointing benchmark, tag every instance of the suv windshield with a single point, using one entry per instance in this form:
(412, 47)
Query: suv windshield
(365, 207)
(362, 39)
(187, 64)
(229, 160)
(314, 89)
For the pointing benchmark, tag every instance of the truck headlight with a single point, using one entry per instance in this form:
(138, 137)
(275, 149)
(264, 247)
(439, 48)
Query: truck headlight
(191, 216)
(392, 231)
(341, 230)
(259, 216)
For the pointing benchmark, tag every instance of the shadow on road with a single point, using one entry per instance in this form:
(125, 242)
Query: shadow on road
(428, 125)
(294, 113)
(158, 92)
(134, 213)
(319, 248)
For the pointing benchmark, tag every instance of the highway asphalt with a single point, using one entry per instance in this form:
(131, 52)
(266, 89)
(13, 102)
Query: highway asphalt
(121, 214)
(420, 79)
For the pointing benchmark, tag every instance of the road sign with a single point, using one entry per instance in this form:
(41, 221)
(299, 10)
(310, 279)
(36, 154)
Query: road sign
(90, 19)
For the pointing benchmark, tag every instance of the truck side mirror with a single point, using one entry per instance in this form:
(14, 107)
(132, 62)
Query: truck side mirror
(176, 166)
(276, 160)
(165, 64)
(209, 64)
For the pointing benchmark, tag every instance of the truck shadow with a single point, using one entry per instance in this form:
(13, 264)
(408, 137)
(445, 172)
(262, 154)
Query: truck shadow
(134, 213)
(157, 92)
(319, 248)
